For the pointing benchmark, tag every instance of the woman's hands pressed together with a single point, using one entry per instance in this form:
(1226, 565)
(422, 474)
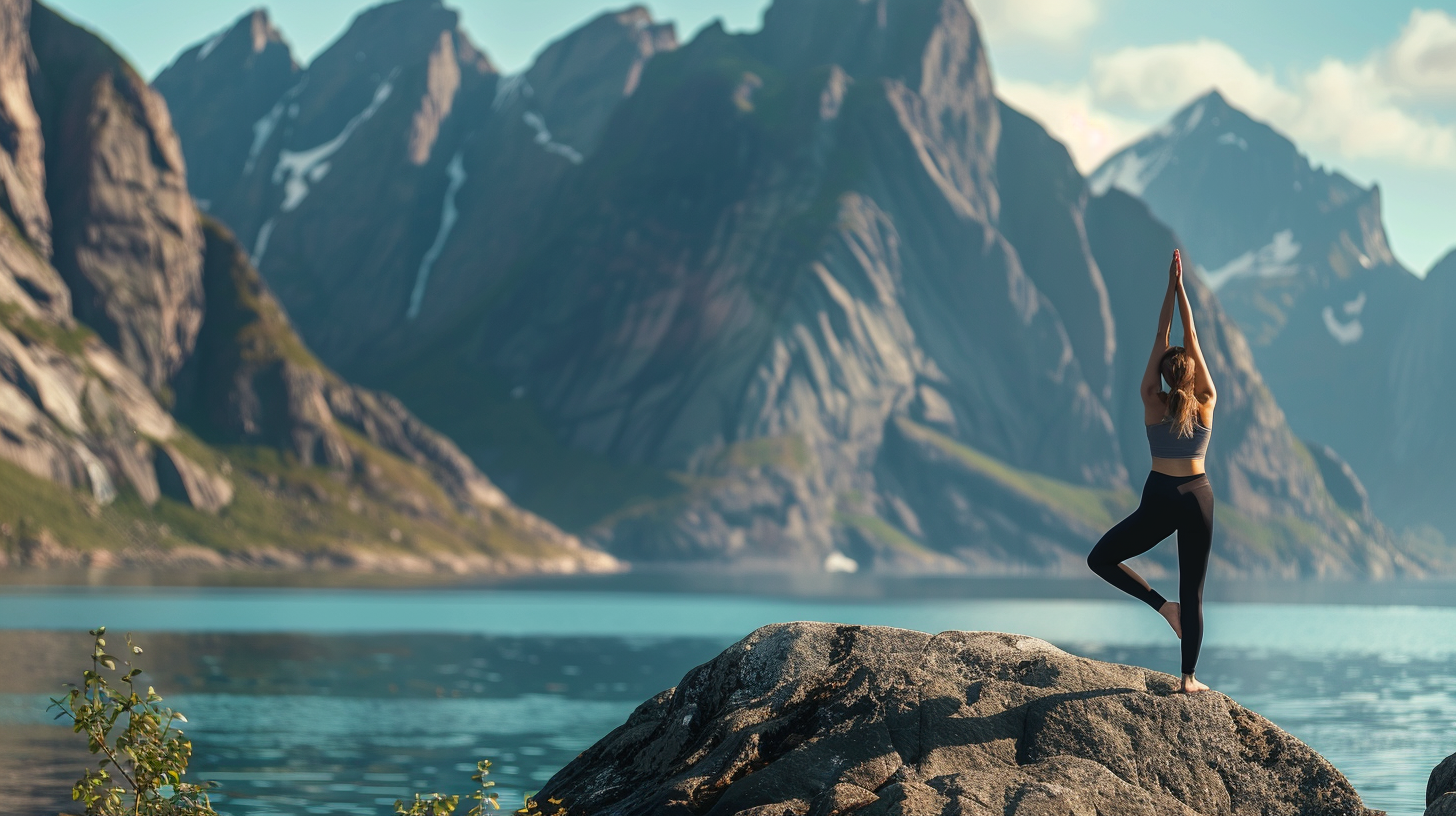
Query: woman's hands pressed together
(1175, 270)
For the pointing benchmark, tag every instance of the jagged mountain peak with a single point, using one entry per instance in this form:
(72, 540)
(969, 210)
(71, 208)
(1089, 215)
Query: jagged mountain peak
(252, 33)
(911, 40)
(1267, 194)
(383, 37)
(1235, 140)
(632, 29)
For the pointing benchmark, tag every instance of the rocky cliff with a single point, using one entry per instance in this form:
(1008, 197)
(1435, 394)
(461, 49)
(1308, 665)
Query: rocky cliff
(795, 296)
(155, 403)
(815, 718)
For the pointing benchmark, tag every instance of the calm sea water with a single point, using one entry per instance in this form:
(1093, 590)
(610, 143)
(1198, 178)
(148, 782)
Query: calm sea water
(341, 701)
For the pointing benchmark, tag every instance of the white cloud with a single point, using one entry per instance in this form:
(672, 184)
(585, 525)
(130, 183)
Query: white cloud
(1422, 61)
(1071, 115)
(1359, 110)
(1056, 21)
(1353, 109)
(1159, 77)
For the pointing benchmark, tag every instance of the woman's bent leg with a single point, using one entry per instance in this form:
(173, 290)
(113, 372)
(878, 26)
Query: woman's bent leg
(1131, 537)
(1195, 540)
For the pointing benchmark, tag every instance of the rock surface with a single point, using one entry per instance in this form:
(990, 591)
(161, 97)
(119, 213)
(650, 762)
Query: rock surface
(815, 718)
(125, 233)
(1441, 789)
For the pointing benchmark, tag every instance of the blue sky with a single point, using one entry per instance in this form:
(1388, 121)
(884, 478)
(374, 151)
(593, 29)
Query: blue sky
(1365, 87)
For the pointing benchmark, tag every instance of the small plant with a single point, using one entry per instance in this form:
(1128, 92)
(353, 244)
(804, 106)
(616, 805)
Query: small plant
(436, 804)
(148, 755)
(533, 808)
(433, 804)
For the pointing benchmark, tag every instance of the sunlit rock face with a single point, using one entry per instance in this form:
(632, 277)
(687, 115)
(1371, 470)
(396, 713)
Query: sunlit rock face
(806, 296)
(808, 718)
(155, 402)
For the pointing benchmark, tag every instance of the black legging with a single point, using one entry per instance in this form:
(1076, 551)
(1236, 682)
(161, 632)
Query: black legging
(1182, 503)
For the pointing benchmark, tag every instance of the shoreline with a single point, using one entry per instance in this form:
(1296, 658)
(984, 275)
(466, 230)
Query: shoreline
(711, 580)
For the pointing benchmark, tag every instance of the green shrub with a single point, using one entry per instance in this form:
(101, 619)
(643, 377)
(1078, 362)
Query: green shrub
(148, 754)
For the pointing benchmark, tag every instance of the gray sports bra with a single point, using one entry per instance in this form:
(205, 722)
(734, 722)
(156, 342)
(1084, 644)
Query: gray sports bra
(1165, 444)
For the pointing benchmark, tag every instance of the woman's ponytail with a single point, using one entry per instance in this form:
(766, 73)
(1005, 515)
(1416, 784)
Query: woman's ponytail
(1182, 404)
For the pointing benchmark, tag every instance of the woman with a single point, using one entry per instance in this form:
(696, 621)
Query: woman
(1177, 495)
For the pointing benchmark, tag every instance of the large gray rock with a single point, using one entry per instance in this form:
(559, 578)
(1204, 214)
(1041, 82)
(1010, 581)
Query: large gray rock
(817, 718)
(1441, 789)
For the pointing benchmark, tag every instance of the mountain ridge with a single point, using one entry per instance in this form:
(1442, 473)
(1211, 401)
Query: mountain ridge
(750, 312)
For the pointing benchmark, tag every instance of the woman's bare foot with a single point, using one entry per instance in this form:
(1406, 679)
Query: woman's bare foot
(1169, 611)
(1190, 685)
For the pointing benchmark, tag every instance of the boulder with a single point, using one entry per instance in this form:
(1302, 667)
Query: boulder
(1441, 789)
(817, 718)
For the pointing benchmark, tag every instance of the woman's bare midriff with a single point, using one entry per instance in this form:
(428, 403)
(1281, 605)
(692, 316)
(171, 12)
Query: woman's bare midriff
(1178, 467)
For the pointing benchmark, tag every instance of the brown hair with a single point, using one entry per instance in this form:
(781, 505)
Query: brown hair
(1177, 368)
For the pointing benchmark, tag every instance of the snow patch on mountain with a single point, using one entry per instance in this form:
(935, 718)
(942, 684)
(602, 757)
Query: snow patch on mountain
(262, 131)
(510, 88)
(1354, 307)
(1134, 168)
(1131, 172)
(297, 170)
(1344, 333)
(1233, 139)
(1272, 260)
(837, 561)
(543, 138)
(448, 215)
(210, 45)
(260, 244)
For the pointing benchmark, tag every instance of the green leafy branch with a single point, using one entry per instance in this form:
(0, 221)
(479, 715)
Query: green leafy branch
(436, 804)
(136, 737)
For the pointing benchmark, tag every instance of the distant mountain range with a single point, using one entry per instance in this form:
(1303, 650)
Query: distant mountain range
(156, 406)
(807, 297)
(1352, 344)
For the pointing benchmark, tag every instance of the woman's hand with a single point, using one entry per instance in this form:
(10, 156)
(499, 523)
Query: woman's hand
(1175, 270)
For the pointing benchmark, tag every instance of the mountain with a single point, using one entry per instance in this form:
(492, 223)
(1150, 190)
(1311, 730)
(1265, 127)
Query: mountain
(1299, 258)
(400, 137)
(156, 406)
(808, 296)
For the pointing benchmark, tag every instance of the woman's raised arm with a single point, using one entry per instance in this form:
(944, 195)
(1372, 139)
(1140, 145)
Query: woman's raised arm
(1152, 385)
(1202, 380)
